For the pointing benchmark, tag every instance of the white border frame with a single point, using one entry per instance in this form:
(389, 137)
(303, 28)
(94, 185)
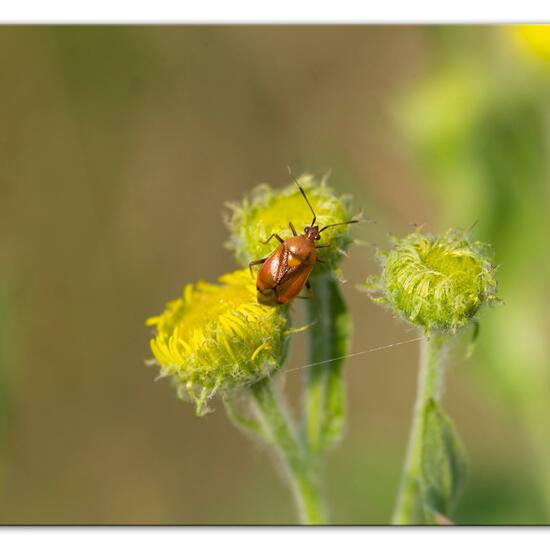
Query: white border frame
(282, 11)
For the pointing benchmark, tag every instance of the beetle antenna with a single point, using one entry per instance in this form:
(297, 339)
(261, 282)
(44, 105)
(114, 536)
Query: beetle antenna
(341, 223)
(304, 195)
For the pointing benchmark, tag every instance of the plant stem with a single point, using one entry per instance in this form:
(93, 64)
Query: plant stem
(8, 357)
(301, 474)
(532, 411)
(432, 359)
(329, 338)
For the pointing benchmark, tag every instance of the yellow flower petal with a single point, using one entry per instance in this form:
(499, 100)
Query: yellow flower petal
(211, 337)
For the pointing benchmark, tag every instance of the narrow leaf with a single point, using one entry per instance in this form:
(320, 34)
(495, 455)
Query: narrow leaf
(330, 335)
(336, 392)
(442, 463)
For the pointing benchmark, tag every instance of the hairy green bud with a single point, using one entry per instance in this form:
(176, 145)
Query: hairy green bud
(436, 282)
(265, 211)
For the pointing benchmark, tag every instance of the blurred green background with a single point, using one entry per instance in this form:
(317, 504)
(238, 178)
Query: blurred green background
(118, 150)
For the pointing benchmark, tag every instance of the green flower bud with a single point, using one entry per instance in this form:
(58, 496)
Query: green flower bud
(218, 338)
(266, 211)
(436, 282)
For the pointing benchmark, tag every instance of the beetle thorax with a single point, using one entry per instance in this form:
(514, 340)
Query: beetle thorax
(300, 247)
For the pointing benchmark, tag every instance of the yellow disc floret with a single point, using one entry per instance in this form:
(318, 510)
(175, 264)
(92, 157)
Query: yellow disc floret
(218, 337)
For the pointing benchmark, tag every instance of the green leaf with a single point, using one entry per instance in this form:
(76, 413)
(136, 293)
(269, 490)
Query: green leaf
(442, 463)
(330, 336)
(336, 392)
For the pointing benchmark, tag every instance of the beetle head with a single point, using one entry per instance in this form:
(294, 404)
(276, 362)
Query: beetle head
(312, 233)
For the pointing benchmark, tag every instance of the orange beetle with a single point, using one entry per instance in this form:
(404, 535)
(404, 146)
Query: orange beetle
(286, 270)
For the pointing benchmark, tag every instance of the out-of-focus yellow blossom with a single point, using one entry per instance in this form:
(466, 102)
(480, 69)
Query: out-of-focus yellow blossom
(533, 39)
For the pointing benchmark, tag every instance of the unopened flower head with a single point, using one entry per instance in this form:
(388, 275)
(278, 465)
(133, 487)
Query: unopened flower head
(436, 282)
(266, 211)
(218, 338)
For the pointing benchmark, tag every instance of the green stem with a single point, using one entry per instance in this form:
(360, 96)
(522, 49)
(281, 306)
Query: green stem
(329, 338)
(301, 474)
(532, 410)
(8, 357)
(432, 359)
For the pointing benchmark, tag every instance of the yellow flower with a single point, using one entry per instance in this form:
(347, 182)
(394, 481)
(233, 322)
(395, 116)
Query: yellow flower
(533, 39)
(218, 338)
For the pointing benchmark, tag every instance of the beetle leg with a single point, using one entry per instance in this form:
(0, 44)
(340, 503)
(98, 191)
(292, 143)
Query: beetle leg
(320, 261)
(322, 246)
(255, 262)
(292, 229)
(271, 236)
(310, 293)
